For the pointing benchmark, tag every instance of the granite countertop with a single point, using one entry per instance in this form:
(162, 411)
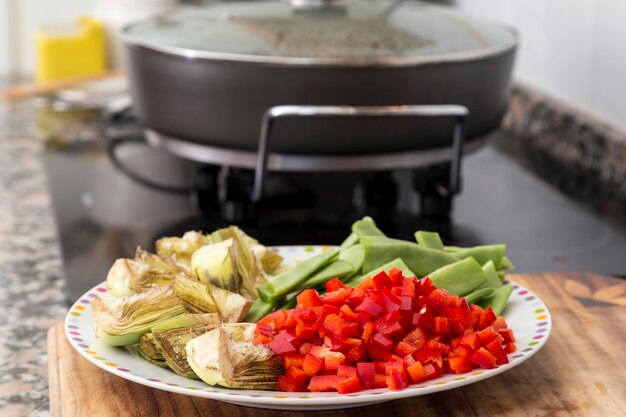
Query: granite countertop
(31, 294)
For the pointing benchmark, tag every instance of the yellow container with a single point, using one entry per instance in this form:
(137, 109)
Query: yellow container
(71, 53)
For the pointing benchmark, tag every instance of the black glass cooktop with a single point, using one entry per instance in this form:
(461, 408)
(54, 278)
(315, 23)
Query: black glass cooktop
(102, 214)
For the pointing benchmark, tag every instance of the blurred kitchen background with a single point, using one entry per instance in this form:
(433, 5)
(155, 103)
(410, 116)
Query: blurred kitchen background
(550, 182)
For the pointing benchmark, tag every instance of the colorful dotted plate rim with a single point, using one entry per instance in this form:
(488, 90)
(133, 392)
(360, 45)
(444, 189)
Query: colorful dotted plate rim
(526, 314)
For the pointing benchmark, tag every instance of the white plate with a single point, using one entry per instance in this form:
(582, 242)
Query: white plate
(525, 313)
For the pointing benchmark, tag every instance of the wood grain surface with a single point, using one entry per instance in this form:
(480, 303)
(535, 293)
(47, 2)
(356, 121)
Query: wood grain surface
(580, 372)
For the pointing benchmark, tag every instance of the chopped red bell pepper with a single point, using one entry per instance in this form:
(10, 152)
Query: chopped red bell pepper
(308, 298)
(339, 327)
(321, 383)
(405, 348)
(495, 347)
(348, 371)
(349, 385)
(312, 365)
(334, 284)
(365, 372)
(291, 360)
(484, 358)
(486, 319)
(371, 307)
(458, 364)
(337, 297)
(382, 341)
(332, 360)
(440, 325)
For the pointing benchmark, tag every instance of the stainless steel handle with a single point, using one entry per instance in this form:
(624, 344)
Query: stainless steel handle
(458, 112)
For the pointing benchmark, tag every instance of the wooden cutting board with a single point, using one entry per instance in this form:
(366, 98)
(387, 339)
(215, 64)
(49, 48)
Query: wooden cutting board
(581, 371)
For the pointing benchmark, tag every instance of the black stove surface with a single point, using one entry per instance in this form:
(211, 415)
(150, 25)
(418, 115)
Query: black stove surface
(102, 214)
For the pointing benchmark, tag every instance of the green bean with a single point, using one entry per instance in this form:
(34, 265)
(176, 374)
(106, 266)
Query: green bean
(459, 278)
(258, 310)
(287, 281)
(506, 263)
(350, 241)
(483, 254)
(478, 294)
(429, 240)
(497, 301)
(336, 269)
(493, 280)
(366, 227)
(355, 256)
(422, 261)
(396, 263)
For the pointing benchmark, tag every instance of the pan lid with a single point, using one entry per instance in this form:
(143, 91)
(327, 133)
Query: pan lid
(322, 32)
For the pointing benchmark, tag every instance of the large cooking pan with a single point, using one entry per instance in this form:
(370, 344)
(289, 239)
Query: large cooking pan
(207, 74)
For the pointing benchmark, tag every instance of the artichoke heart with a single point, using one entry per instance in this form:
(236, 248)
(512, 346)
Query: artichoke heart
(122, 321)
(207, 298)
(131, 276)
(226, 356)
(268, 260)
(148, 349)
(171, 344)
(180, 249)
(232, 263)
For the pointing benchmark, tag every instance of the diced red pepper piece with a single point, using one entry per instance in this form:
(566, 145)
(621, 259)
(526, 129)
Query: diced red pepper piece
(425, 287)
(346, 312)
(462, 351)
(291, 360)
(484, 358)
(441, 298)
(285, 384)
(440, 325)
(296, 375)
(368, 331)
(423, 319)
(428, 355)
(500, 323)
(356, 297)
(408, 360)
(416, 372)
(408, 287)
(348, 371)
(337, 297)
(308, 298)
(488, 334)
(462, 303)
(305, 348)
(396, 366)
(263, 329)
(356, 354)
(417, 337)
(406, 303)
(507, 335)
(456, 328)
(261, 339)
(405, 348)
(430, 371)
(333, 360)
(305, 314)
(382, 341)
(395, 276)
(275, 320)
(305, 331)
(397, 291)
(459, 364)
(389, 328)
(318, 351)
(371, 307)
(396, 382)
(472, 341)
(312, 365)
(460, 314)
(349, 385)
(339, 327)
(510, 348)
(334, 284)
(281, 346)
(486, 320)
(364, 317)
(380, 381)
(375, 353)
(440, 347)
(365, 372)
(496, 349)
(322, 383)
(390, 301)
(381, 281)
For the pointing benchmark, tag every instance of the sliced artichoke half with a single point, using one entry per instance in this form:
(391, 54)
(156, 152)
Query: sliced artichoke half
(122, 321)
(226, 356)
(180, 249)
(207, 298)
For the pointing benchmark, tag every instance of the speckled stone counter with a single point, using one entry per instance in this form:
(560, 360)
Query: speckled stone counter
(31, 298)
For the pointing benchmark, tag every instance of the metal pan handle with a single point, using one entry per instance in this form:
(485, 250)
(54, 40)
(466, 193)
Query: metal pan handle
(457, 112)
